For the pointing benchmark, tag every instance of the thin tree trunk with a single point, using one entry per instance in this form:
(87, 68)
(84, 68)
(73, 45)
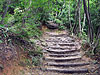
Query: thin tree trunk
(90, 28)
(88, 8)
(56, 8)
(91, 32)
(70, 16)
(48, 3)
(79, 17)
(97, 41)
(5, 12)
(74, 29)
(84, 22)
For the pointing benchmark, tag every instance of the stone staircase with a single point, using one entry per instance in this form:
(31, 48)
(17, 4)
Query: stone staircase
(63, 55)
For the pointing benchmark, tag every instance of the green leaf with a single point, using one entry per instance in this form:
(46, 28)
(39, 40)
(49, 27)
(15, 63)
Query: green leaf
(0, 18)
(1, 41)
(2, 26)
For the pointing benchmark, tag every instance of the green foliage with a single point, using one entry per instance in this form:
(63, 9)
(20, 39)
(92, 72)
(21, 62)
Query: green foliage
(62, 27)
(36, 61)
(58, 21)
(1, 41)
(84, 35)
(36, 56)
(0, 18)
(2, 26)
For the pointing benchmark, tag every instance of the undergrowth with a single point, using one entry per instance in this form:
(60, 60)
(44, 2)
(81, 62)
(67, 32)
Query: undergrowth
(21, 36)
(61, 27)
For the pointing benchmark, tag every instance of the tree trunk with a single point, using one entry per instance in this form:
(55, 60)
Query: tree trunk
(88, 8)
(90, 28)
(70, 16)
(56, 8)
(5, 12)
(97, 41)
(48, 4)
(84, 22)
(74, 29)
(79, 17)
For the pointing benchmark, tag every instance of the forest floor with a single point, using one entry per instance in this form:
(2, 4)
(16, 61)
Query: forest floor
(20, 66)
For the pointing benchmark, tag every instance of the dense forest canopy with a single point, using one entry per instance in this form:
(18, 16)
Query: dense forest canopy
(25, 17)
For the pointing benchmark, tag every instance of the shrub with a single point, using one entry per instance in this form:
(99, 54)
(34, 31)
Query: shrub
(62, 27)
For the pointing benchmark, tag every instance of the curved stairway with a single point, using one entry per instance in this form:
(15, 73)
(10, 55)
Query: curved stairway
(62, 54)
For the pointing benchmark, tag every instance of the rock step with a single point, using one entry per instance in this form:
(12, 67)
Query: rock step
(81, 70)
(66, 44)
(51, 25)
(54, 41)
(63, 55)
(61, 51)
(66, 40)
(66, 64)
(59, 41)
(57, 35)
(62, 43)
(63, 58)
(61, 38)
(67, 37)
(62, 48)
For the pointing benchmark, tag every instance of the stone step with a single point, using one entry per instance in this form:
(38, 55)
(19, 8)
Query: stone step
(81, 70)
(59, 41)
(61, 51)
(57, 35)
(62, 38)
(54, 41)
(63, 58)
(63, 55)
(62, 48)
(67, 44)
(66, 64)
